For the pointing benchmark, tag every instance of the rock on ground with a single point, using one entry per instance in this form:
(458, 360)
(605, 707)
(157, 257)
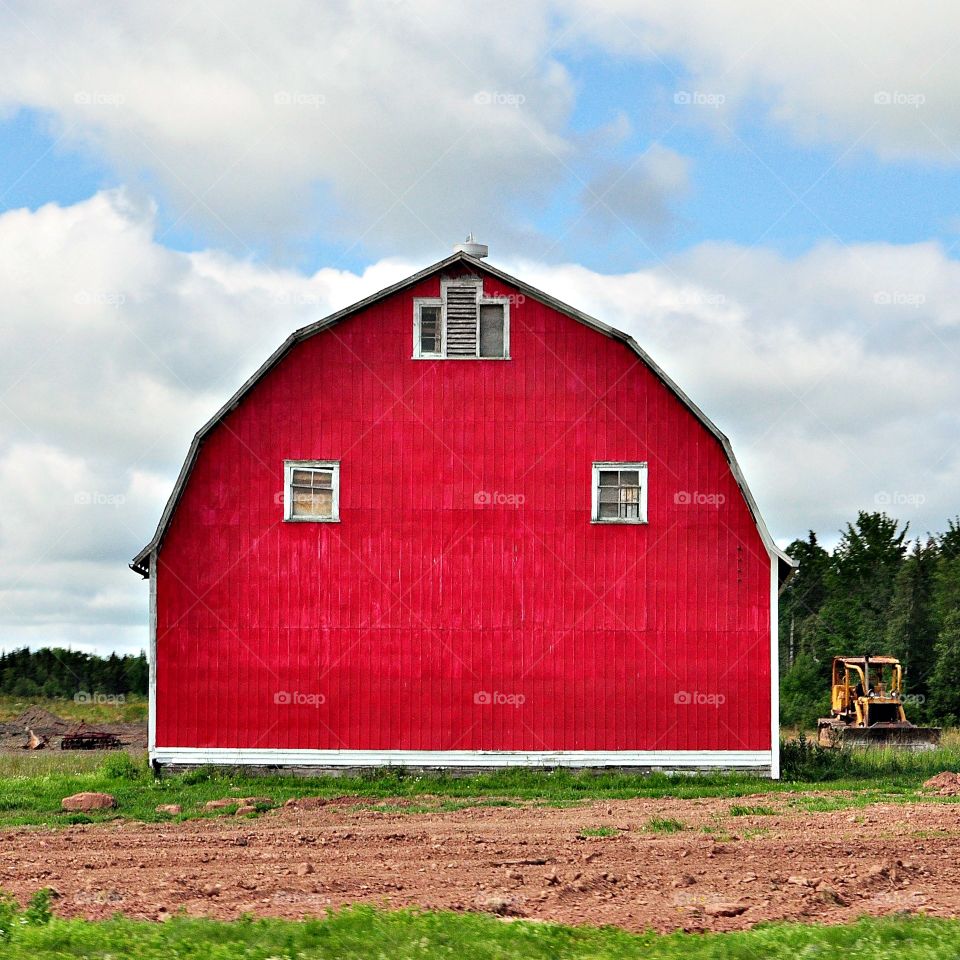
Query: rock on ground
(87, 801)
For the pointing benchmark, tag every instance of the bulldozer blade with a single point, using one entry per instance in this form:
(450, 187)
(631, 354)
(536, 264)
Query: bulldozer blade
(900, 738)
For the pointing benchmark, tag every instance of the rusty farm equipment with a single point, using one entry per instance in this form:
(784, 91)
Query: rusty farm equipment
(82, 737)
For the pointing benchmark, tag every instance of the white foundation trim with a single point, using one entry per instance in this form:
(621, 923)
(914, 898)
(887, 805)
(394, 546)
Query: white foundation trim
(693, 759)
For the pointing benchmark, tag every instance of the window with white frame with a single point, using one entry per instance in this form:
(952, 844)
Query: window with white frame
(461, 324)
(311, 490)
(428, 329)
(619, 493)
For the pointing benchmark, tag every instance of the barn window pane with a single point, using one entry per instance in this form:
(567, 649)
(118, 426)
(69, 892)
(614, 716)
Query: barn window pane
(491, 330)
(609, 478)
(312, 503)
(312, 491)
(429, 329)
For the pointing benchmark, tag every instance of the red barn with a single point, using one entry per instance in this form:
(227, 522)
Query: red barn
(462, 524)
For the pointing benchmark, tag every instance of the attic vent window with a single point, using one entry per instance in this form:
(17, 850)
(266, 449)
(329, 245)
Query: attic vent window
(461, 324)
(619, 493)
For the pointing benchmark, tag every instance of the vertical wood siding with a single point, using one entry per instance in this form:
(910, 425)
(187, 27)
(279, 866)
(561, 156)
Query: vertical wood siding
(428, 619)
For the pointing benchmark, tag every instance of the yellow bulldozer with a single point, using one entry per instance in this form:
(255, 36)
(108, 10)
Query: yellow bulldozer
(866, 708)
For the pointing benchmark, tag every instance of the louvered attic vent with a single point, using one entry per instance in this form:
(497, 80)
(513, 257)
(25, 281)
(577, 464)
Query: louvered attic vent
(461, 325)
(461, 321)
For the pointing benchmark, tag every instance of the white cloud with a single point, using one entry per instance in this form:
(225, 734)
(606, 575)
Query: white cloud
(415, 119)
(375, 124)
(834, 375)
(116, 349)
(880, 75)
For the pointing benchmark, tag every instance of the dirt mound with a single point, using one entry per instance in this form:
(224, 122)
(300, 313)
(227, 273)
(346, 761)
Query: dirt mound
(41, 721)
(947, 784)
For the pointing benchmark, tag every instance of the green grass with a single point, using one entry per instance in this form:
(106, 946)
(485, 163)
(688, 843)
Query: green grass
(663, 825)
(133, 709)
(32, 785)
(748, 810)
(802, 759)
(588, 832)
(361, 933)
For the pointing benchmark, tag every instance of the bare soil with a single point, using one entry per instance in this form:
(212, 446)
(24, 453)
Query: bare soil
(523, 861)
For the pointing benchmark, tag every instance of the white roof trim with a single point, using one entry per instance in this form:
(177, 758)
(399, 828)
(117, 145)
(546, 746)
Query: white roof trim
(140, 562)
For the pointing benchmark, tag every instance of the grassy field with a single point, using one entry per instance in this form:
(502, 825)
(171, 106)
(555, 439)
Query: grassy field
(132, 709)
(31, 786)
(360, 933)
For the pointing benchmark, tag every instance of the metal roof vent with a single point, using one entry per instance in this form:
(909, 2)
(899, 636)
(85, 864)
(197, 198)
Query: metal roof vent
(471, 248)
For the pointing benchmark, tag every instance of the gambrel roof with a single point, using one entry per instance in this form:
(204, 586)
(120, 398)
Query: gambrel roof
(141, 562)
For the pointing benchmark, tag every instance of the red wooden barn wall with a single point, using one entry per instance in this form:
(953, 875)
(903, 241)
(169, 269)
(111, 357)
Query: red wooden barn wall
(391, 625)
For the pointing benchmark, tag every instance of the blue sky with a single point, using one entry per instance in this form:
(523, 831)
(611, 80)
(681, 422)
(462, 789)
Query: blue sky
(766, 197)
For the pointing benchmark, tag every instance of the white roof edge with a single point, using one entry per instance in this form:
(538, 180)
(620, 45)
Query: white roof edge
(138, 565)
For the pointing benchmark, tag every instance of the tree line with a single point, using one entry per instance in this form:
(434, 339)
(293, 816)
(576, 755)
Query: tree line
(876, 592)
(55, 672)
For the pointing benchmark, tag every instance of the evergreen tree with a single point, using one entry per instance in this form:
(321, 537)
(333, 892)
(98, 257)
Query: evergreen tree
(945, 682)
(805, 693)
(913, 623)
(802, 599)
(860, 587)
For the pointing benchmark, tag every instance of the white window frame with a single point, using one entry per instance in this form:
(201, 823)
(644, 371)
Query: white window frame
(641, 468)
(441, 301)
(288, 467)
(418, 304)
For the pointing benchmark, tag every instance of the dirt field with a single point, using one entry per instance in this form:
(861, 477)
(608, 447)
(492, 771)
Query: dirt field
(14, 736)
(530, 861)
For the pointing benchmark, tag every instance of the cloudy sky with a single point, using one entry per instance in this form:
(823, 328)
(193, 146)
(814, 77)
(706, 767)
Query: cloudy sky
(766, 196)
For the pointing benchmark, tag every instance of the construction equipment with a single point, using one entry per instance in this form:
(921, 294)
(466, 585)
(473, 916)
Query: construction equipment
(866, 708)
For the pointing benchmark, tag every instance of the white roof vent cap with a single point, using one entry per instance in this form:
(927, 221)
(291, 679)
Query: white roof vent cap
(471, 248)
